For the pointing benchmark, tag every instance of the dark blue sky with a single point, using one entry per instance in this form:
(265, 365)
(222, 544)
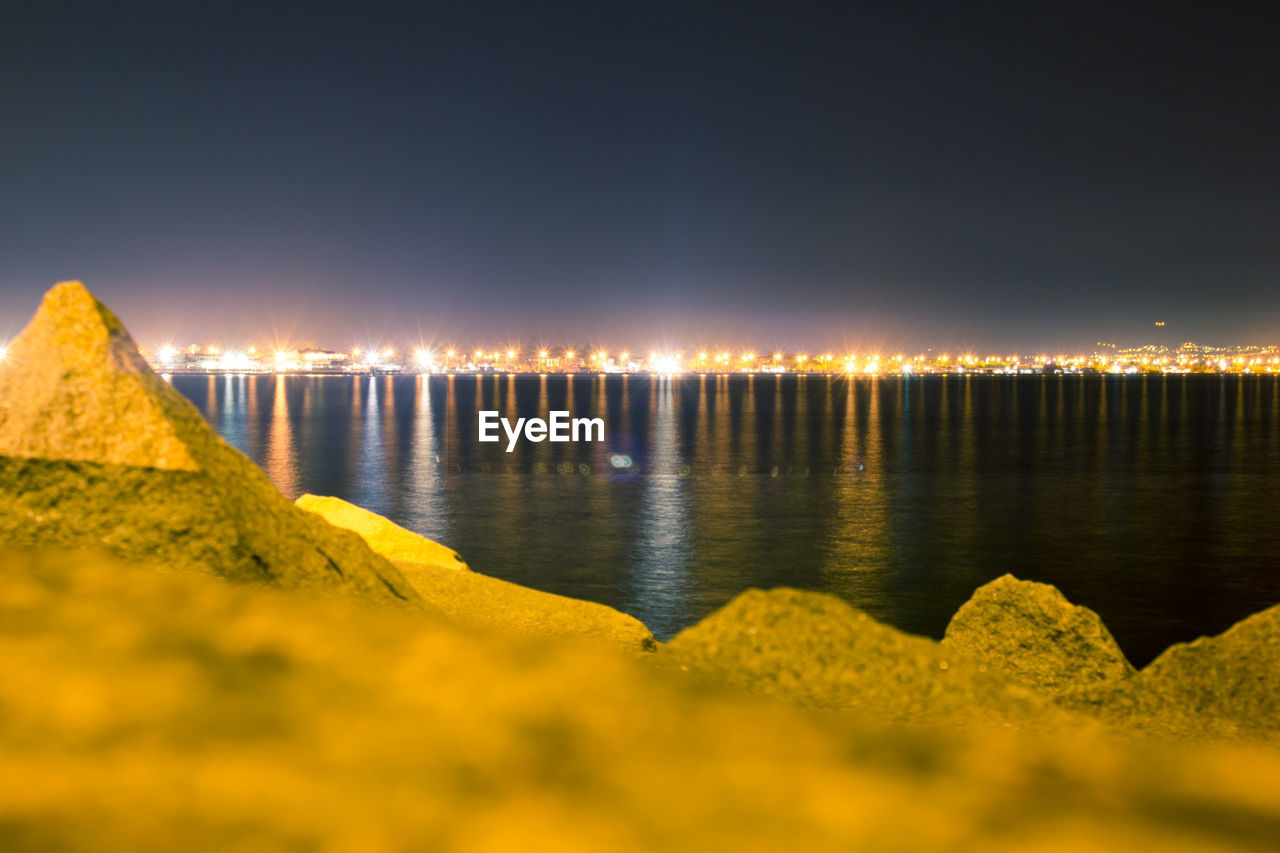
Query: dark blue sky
(994, 175)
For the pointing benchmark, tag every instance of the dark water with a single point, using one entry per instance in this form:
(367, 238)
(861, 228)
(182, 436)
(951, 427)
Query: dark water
(1152, 500)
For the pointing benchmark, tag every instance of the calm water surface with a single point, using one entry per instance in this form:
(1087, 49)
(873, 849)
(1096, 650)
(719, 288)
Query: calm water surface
(1152, 500)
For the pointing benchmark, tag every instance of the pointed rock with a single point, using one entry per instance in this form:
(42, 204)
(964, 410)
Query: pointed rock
(819, 651)
(1033, 634)
(75, 388)
(97, 452)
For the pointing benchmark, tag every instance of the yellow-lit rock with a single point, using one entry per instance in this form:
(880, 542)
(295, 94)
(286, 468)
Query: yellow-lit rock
(1233, 677)
(147, 710)
(96, 451)
(1033, 634)
(819, 651)
(475, 599)
(1223, 686)
(442, 579)
(384, 536)
(74, 387)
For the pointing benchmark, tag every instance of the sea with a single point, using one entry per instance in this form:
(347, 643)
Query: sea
(1152, 499)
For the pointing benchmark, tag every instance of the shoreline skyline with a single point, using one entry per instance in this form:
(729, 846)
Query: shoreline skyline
(1188, 358)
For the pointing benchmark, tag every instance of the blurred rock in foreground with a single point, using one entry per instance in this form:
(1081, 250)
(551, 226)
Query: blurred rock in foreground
(170, 711)
(1031, 633)
(96, 451)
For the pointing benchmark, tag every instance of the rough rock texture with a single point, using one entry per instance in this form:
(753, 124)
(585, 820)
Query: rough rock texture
(475, 599)
(148, 711)
(819, 651)
(1235, 675)
(381, 534)
(97, 452)
(1228, 685)
(74, 387)
(1031, 633)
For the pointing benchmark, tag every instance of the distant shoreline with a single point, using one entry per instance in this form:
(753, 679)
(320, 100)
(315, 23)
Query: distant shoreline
(917, 374)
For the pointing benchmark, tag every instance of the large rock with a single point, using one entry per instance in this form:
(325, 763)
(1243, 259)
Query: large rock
(1228, 685)
(97, 452)
(381, 534)
(1030, 632)
(819, 651)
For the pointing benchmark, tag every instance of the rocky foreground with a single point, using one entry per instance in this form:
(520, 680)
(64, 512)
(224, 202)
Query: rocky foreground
(191, 662)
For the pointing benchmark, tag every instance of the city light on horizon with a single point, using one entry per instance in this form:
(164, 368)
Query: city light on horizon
(1188, 357)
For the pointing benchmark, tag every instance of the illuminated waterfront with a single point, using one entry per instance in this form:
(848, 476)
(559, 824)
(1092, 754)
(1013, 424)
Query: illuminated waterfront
(1107, 358)
(1149, 498)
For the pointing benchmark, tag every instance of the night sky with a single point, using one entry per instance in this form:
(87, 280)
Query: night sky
(952, 174)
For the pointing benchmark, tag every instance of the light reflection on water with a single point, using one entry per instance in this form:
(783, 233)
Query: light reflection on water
(662, 547)
(1150, 499)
